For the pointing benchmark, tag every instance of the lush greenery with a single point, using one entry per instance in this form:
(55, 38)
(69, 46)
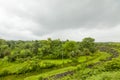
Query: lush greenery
(56, 59)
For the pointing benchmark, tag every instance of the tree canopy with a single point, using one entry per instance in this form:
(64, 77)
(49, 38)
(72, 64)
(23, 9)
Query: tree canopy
(44, 49)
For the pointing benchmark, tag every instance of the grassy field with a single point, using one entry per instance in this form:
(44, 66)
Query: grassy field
(59, 60)
(47, 68)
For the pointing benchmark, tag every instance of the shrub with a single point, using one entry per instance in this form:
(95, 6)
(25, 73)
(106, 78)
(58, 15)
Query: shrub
(46, 65)
(4, 73)
(29, 67)
(112, 65)
(106, 76)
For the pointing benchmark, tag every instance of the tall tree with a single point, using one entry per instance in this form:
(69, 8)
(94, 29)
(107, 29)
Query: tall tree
(89, 43)
(70, 47)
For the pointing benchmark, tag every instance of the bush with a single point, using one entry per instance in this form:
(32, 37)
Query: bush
(46, 65)
(29, 67)
(112, 65)
(4, 73)
(75, 60)
(106, 76)
(86, 51)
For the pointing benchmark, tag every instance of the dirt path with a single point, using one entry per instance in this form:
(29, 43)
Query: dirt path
(57, 76)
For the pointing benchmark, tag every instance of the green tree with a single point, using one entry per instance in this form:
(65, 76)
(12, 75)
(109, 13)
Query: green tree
(35, 47)
(70, 47)
(25, 53)
(89, 43)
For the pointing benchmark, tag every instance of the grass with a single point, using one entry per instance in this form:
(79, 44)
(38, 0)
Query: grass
(82, 71)
(13, 68)
(99, 57)
(106, 76)
(44, 75)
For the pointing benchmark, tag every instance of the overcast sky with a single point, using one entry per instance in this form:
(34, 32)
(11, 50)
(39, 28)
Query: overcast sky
(64, 19)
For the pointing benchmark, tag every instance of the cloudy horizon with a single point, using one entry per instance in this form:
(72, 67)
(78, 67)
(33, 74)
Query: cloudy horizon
(63, 19)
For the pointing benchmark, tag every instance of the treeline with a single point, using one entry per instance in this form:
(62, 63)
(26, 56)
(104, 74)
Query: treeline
(45, 49)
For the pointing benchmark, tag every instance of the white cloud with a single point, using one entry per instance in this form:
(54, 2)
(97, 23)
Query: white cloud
(64, 19)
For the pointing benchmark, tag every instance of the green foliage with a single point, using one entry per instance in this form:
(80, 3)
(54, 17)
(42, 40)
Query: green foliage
(106, 76)
(29, 67)
(44, 75)
(40, 59)
(113, 65)
(25, 53)
(70, 48)
(4, 73)
(89, 44)
(86, 51)
(45, 49)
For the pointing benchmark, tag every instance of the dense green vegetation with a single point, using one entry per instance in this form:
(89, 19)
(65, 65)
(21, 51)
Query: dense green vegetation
(59, 60)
